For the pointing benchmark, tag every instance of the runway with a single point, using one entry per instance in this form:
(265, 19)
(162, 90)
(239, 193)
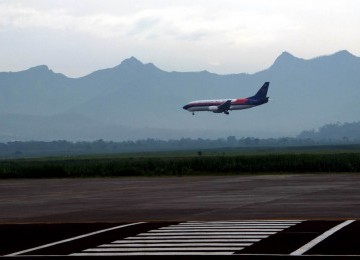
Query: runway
(248, 216)
(243, 238)
(302, 196)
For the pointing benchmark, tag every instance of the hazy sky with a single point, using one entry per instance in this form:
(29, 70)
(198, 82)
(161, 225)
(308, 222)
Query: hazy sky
(227, 36)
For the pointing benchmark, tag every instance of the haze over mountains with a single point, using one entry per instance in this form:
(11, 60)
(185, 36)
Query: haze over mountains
(135, 100)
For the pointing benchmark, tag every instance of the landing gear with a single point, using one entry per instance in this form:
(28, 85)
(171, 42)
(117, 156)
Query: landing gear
(193, 113)
(226, 112)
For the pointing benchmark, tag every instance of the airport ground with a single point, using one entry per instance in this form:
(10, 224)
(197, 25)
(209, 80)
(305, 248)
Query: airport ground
(315, 196)
(47, 210)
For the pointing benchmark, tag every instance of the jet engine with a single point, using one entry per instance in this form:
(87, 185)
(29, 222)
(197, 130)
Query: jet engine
(213, 108)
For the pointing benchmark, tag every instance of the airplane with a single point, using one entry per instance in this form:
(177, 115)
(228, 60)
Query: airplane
(224, 105)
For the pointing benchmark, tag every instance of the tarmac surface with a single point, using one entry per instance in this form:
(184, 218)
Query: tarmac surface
(277, 216)
(242, 239)
(293, 196)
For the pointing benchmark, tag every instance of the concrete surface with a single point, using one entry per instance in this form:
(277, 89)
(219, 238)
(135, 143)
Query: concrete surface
(306, 196)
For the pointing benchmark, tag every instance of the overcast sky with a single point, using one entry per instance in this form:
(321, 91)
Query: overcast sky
(227, 36)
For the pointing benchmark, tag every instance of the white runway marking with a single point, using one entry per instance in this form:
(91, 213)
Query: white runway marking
(243, 222)
(136, 244)
(202, 237)
(206, 233)
(226, 226)
(192, 238)
(194, 248)
(215, 230)
(152, 253)
(71, 239)
(215, 234)
(141, 240)
(320, 238)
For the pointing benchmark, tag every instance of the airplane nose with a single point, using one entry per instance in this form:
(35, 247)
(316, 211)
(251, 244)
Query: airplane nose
(185, 107)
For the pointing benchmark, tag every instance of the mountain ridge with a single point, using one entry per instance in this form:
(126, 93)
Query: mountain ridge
(135, 62)
(305, 94)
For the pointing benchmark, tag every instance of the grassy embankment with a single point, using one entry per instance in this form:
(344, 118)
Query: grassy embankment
(184, 164)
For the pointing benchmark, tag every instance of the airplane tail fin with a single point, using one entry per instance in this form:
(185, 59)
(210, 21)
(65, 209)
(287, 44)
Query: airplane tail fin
(262, 91)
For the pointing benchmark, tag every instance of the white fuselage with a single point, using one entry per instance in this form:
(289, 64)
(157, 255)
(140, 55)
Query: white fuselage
(225, 105)
(211, 105)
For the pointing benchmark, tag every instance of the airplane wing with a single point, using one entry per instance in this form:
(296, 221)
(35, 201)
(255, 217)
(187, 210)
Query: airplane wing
(224, 106)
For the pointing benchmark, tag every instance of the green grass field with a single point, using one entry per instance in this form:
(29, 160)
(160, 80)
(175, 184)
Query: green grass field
(206, 162)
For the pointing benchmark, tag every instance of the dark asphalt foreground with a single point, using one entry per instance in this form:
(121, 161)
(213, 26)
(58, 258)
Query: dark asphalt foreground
(303, 196)
(28, 240)
(38, 212)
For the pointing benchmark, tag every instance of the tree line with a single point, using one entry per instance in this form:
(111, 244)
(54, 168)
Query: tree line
(63, 147)
(180, 166)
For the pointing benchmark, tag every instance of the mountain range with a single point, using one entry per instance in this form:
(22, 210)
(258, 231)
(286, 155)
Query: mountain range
(135, 101)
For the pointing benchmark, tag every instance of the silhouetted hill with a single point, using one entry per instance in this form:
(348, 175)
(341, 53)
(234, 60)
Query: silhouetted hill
(134, 96)
(286, 61)
(338, 131)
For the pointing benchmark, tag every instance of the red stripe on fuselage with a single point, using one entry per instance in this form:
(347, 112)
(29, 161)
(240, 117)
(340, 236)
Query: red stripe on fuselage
(239, 101)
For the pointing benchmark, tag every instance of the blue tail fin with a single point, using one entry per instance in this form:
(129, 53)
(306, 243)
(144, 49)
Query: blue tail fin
(262, 91)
